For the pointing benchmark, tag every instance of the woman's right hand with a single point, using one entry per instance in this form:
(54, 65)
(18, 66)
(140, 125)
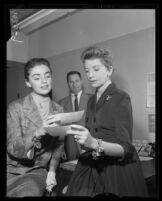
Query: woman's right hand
(82, 136)
(50, 121)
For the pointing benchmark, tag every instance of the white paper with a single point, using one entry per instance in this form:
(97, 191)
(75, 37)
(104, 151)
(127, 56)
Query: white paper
(65, 118)
(69, 117)
(145, 158)
(57, 130)
(151, 90)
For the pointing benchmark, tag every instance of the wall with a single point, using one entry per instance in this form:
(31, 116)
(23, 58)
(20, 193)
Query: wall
(134, 57)
(88, 27)
(16, 87)
(18, 51)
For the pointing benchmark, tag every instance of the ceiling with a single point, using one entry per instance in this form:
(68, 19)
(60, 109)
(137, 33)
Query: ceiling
(30, 20)
(24, 13)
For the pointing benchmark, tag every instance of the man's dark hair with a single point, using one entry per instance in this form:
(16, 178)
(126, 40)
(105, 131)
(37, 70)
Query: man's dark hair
(73, 73)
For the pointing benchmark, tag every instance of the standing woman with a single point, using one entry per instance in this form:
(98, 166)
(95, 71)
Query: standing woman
(111, 165)
(32, 154)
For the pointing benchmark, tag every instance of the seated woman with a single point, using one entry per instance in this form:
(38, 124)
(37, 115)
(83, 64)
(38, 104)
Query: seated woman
(111, 165)
(32, 154)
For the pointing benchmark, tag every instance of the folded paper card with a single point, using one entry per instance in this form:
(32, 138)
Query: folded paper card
(65, 118)
(69, 117)
(57, 130)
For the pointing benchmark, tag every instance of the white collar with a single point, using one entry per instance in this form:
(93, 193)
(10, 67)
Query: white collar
(78, 94)
(102, 89)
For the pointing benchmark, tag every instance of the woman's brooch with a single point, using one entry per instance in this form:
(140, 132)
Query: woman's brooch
(108, 97)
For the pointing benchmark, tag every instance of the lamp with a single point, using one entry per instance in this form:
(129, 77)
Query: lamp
(14, 25)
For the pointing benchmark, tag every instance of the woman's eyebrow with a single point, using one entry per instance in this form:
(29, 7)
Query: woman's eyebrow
(36, 74)
(96, 66)
(47, 72)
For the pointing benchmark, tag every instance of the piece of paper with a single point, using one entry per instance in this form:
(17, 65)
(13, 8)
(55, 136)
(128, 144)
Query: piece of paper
(150, 90)
(69, 117)
(65, 118)
(57, 130)
(151, 123)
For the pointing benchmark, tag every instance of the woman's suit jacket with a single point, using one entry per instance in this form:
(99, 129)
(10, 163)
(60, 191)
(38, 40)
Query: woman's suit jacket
(23, 119)
(110, 120)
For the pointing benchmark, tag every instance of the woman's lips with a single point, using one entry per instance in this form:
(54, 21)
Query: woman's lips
(93, 81)
(44, 87)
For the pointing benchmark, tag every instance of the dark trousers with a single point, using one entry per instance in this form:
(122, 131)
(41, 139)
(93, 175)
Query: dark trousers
(27, 185)
(72, 148)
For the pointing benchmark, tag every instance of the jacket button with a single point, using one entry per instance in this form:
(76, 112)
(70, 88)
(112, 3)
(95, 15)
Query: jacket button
(96, 129)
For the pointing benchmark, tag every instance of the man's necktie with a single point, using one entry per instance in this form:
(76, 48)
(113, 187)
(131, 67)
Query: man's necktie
(76, 106)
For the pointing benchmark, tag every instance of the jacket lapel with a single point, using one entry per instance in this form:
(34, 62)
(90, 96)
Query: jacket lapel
(53, 109)
(69, 103)
(106, 96)
(31, 111)
(83, 101)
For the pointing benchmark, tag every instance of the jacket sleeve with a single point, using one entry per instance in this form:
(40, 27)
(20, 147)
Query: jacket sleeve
(58, 150)
(58, 142)
(17, 144)
(124, 125)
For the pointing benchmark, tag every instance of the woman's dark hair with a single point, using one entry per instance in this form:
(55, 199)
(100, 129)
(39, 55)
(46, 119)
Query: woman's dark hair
(95, 52)
(73, 73)
(34, 62)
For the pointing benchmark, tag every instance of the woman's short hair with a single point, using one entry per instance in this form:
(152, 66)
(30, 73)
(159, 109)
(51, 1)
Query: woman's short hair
(35, 62)
(95, 52)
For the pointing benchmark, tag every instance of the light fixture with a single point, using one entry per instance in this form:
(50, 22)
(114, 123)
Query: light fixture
(14, 25)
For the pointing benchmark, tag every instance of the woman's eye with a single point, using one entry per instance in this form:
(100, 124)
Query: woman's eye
(36, 78)
(96, 69)
(48, 76)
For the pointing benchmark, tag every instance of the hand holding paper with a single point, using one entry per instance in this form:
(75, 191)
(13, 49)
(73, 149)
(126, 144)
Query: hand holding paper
(67, 118)
(52, 121)
(82, 136)
(57, 121)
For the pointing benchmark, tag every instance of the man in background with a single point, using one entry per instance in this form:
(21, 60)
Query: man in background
(75, 101)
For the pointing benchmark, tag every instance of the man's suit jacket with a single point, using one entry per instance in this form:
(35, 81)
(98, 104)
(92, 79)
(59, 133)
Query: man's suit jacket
(66, 103)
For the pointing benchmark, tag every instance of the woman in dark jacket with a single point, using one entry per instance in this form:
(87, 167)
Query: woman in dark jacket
(111, 164)
(32, 154)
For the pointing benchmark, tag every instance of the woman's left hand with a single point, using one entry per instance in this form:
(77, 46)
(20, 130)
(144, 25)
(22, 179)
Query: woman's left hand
(82, 136)
(50, 180)
(51, 121)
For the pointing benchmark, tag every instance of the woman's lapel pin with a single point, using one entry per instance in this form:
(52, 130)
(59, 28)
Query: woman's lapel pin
(108, 97)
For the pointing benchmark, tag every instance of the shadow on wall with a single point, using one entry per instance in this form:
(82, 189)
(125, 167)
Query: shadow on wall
(138, 133)
(120, 82)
